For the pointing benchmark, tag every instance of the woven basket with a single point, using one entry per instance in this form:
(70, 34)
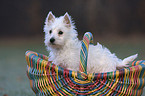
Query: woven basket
(48, 79)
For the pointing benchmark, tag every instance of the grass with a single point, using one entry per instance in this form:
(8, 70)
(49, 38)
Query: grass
(13, 78)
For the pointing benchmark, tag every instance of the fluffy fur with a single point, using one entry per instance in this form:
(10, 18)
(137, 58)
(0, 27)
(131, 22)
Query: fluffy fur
(62, 42)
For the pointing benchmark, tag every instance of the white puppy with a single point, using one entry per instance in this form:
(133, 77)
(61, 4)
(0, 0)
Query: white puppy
(62, 42)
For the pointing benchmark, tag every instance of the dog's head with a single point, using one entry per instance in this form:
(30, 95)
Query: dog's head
(58, 30)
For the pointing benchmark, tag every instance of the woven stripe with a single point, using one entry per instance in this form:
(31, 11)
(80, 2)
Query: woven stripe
(87, 39)
(48, 79)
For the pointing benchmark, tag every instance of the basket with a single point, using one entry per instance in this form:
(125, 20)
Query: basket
(48, 79)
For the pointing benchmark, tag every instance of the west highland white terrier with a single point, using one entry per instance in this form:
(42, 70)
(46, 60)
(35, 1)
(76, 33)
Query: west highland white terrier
(62, 42)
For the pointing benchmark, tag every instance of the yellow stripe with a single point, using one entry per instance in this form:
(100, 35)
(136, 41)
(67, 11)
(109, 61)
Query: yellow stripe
(43, 68)
(135, 92)
(140, 68)
(90, 77)
(110, 91)
(72, 91)
(52, 83)
(105, 88)
(74, 74)
(84, 54)
(41, 84)
(117, 74)
(42, 80)
(66, 92)
(27, 59)
(60, 87)
(132, 81)
(44, 84)
(86, 44)
(82, 66)
(143, 76)
(48, 87)
(125, 81)
(81, 82)
(39, 66)
(56, 70)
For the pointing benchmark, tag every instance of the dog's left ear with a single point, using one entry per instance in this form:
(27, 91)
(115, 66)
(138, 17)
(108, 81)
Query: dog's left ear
(67, 20)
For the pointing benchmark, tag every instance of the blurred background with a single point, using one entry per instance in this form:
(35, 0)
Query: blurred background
(117, 24)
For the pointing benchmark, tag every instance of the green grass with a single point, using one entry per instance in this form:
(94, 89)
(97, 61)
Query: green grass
(13, 78)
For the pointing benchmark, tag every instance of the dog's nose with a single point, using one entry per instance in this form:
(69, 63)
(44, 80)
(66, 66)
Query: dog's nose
(52, 40)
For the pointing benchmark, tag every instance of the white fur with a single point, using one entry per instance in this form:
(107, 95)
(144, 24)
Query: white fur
(65, 51)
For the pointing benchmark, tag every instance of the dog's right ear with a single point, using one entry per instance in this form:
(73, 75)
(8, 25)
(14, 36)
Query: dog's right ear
(50, 18)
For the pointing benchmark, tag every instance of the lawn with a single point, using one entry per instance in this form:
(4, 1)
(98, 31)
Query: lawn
(13, 78)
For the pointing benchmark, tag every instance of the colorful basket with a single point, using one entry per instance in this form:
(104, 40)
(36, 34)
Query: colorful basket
(48, 79)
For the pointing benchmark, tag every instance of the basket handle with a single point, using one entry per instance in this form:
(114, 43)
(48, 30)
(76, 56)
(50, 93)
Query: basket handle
(87, 39)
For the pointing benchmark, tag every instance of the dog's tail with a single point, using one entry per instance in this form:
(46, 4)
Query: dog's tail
(126, 61)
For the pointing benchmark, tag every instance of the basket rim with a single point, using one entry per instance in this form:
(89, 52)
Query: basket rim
(31, 54)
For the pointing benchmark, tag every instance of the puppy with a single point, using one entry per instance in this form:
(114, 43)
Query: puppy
(62, 42)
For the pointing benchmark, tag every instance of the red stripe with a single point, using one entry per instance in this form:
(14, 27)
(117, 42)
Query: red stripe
(31, 64)
(38, 63)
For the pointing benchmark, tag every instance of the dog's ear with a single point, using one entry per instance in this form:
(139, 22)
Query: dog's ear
(50, 18)
(67, 20)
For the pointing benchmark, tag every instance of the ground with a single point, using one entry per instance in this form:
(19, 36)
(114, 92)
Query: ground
(13, 78)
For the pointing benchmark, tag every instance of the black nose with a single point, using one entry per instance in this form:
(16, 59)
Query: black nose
(52, 40)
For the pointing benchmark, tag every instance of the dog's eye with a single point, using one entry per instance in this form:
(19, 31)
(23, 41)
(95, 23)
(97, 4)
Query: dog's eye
(60, 32)
(50, 31)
